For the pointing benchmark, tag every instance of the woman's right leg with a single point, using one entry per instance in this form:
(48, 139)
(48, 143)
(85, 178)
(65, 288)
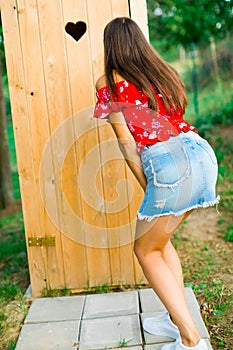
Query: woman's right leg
(149, 249)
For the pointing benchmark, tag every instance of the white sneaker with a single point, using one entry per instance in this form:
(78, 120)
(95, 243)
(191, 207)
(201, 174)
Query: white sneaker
(161, 325)
(177, 345)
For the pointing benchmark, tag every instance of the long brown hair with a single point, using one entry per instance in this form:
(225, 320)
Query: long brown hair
(127, 51)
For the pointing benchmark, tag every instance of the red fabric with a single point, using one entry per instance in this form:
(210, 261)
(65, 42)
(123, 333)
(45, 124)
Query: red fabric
(146, 125)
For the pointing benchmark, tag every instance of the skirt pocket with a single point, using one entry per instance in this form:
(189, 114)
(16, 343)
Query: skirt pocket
(170, 169)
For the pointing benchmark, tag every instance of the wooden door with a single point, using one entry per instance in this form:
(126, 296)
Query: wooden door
(79, 219)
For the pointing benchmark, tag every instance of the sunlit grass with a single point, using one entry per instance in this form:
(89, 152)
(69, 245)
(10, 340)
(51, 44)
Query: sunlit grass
(14, 279)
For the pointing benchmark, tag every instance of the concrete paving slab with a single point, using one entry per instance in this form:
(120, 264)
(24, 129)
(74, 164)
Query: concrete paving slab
(135, 348)
(191, 298)
(150, 301)
(112, 304)
(110, 332)
(150, 305)
(49, 336)
(154, 346)
(55, 309)
(196, 315)
(151, 338)
(102, 321)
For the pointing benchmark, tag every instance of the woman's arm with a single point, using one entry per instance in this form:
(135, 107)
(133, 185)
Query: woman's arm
(128, 146)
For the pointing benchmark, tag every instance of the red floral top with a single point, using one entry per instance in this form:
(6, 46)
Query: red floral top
(147, 126)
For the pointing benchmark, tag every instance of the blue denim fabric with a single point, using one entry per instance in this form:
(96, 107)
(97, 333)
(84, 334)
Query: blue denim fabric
(181, 175)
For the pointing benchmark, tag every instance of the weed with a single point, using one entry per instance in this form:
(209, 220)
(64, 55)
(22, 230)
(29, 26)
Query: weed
(12, 346)
(123, 342)
(104, 288)
(99, 289)
(56, 292)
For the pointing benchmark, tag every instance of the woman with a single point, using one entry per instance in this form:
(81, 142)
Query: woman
(144, 99)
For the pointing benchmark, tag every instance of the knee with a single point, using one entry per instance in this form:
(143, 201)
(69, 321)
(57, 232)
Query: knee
(143, 253)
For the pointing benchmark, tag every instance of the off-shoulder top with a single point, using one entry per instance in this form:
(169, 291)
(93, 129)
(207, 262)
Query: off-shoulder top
(147, 126)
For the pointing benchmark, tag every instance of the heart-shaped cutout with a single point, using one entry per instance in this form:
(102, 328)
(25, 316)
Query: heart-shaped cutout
(76, 30)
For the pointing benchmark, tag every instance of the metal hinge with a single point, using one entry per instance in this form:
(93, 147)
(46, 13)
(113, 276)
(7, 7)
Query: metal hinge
(48, 241)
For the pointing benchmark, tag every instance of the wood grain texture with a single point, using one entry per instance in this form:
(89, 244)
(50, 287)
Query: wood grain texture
(21, 104)
(138, 12)
(75, 184)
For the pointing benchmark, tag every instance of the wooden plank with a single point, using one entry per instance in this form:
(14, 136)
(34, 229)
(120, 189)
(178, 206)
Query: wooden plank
(120, 8)
(93, 219)
(59, 111)
(81, 97)
(123, 264)
(97, 19)
(16, 69)
(138, 12)
(39, 121)
(116, 201)
(130, 269)
(99, 14)
(134, 205)
(91, 188)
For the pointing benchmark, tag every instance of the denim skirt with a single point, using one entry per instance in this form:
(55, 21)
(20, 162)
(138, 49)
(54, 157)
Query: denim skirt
(181, 175)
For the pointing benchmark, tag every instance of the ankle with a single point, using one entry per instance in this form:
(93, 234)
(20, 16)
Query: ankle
(190, 341)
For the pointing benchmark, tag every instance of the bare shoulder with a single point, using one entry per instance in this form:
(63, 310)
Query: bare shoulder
(101, 82)
(117, 76)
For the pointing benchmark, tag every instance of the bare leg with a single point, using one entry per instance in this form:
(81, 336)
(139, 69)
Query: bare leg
(171, 257)
(150, 246)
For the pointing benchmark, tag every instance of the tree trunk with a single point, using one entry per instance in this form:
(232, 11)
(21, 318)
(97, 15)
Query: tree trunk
(6, 185)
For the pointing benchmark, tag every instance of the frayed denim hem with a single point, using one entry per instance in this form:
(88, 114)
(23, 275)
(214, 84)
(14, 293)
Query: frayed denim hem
(181, 212)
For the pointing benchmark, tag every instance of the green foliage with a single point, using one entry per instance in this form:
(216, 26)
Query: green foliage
(15, 177)
(8, 291)
(52, 293)
(12, 255)
(12, 346)
(14, 278)
(228, 233)
(213, 111)
(181, 22)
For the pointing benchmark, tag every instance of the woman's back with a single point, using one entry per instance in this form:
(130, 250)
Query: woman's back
(146, 125)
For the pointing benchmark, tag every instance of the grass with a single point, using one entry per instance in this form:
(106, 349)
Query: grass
(206, 267)
(15, 178)
(14, 279)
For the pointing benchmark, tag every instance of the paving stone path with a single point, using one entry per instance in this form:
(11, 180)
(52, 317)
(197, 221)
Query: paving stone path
(100, 321)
